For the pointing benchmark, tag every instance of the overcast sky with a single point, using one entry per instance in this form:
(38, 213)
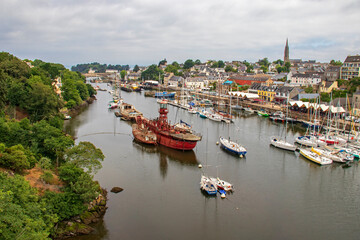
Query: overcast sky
(144, 32)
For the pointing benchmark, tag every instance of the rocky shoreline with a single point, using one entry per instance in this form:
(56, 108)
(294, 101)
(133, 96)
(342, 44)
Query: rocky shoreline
(80, 225)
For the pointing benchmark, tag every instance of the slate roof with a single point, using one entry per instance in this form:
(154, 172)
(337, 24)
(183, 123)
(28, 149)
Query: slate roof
(352, 59)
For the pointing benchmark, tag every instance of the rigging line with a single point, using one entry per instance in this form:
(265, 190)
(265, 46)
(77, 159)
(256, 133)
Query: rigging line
(100, 133)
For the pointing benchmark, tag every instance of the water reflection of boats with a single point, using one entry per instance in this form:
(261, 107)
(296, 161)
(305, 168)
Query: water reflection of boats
(184, 158)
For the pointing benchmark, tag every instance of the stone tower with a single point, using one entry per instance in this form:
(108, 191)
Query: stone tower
(286, 52)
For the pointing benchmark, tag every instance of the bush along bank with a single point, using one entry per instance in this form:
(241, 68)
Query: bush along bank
(80, 224)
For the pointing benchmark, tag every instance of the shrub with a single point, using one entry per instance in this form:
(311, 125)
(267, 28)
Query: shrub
(45, 163)
(47, 177)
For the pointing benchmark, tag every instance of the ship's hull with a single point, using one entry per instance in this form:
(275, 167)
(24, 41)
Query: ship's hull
(170, 142)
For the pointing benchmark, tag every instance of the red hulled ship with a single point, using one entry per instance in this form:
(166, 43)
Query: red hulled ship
(167, 135)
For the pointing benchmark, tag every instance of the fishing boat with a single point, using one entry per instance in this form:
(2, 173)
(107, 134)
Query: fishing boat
(207, 185)
(314, 157)
(167, 135)
(143, 135)
(262, 113)
(129, 112)
(232, 147)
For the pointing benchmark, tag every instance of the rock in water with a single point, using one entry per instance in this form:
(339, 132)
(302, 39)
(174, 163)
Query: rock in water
(116, 189)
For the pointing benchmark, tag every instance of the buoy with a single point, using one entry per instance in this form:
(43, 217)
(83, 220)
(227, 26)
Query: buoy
(241, 155)
(200, 166)
(217, 143)
(223, 195)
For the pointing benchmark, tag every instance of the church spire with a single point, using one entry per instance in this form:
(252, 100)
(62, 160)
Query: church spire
(286, 52)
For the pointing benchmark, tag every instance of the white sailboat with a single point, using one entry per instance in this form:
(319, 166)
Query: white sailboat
(314, 157)
(282, 143)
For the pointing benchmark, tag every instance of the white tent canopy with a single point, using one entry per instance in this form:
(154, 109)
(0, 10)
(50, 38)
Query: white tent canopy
(242, 94)
(316, 106)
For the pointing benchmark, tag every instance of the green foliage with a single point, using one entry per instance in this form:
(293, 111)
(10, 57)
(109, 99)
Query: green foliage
(123, 74)
(325, 97)
(99, 68)
(85, 155)
(175, 64)
(85, 187)
(250, 69)
(69, 172)
(63, 205)
(14, 67)
(82, 89)
(162, 62)
(136, 68)
(336, 63)
(47, 177)
(152, 73)
(197, 62)
(172, 68)
(3, 89)
(264, 69)
(91, 90)
(15, 158)
(22, 216)
(279, 62)
(309, 89)
(45, 163)
(188, 64)
(264, 62)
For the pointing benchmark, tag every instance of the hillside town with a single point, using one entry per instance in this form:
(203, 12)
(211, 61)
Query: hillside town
(334, 83)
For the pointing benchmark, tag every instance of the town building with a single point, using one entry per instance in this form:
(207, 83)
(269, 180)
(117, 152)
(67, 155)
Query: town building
(305, 79)
(332, 73)
(350, 68)
(249, 80)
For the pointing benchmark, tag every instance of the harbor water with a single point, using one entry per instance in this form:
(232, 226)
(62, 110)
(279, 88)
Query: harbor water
(278, 194)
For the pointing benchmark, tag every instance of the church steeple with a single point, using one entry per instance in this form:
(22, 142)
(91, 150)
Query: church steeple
(286, 52)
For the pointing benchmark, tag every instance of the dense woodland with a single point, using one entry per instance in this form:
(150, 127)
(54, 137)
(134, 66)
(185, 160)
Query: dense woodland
(97, 67)
(37, 141)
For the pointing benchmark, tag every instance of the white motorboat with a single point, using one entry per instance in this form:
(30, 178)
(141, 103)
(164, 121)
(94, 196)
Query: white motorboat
(249, 110)
(215, 117)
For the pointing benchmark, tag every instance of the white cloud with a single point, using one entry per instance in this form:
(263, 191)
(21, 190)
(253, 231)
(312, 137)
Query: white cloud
(144, 32)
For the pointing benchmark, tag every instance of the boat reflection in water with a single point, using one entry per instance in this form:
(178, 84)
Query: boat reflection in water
(185, 158)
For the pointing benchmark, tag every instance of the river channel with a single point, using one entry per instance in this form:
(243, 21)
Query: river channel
(278, 194)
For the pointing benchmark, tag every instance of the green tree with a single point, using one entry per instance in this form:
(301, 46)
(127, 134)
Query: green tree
(85, 155)
(123, 74)
(250, 69)
(287, 67)
(309, 89)
(197, 62)
(3, 89)
(136, 68)
(188, 64)
(336, 63)
(264, 62)
(264, 69)
(324, 97)
(228, 68)
(162, 62)
(221, 64)
(15, 158)
(152, 73)
(279, 62)
(171, 68)
(175, 64)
